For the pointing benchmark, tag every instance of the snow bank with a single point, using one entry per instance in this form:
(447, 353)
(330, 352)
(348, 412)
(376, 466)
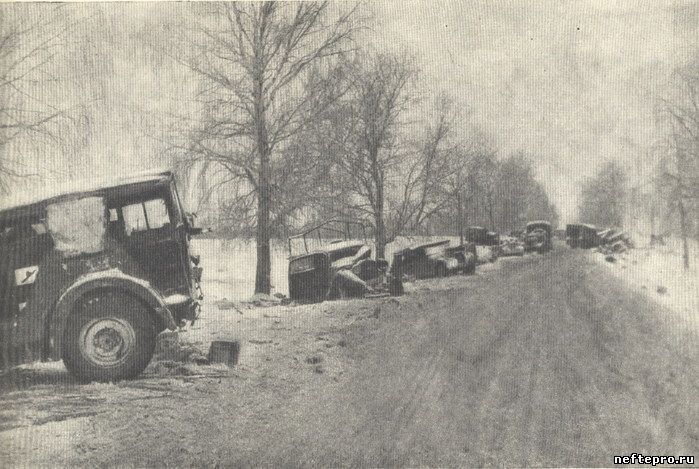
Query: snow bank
(658, 273)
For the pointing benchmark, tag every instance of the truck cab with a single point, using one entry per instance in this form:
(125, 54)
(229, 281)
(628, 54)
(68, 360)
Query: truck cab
(91, 273)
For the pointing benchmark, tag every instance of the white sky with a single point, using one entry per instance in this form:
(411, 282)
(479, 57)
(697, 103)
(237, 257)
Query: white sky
(568, 81)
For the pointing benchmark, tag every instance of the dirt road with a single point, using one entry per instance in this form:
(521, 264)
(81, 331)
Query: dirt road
(545, 361)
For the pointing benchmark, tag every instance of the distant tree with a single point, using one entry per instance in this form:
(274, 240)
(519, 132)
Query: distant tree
(368, 147)
(262, 70)
(27, 49)
(603, 197)
(460, 182)
(677, 113)
(514, 191)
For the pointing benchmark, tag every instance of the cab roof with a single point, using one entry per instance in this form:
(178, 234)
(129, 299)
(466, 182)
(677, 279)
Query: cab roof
(87, 187)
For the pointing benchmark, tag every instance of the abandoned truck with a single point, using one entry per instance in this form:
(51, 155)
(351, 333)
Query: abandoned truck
(335, 268)
(92, 275)
(487, 242)
(537, 237)
(582, 236)
(438, 259)
(511, 246)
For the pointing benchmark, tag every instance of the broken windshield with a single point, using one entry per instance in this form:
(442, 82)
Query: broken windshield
(77, 226)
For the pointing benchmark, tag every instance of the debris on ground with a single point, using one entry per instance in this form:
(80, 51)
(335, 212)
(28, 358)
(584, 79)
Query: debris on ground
(259, 342)
(170, 348)
(224, 305)
(223, 351)
(613, 242)
(262, 300)
(314, 359)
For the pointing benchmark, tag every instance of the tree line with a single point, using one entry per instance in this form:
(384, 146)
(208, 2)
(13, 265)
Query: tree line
(298, 122)
(295, 117)
(668, 197)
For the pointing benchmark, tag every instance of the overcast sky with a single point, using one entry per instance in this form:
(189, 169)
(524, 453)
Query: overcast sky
(570, 81)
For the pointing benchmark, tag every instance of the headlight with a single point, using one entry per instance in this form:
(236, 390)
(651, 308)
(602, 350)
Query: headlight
(302, 265)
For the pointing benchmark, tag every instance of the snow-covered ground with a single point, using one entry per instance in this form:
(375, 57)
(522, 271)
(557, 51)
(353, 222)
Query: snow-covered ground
(658, 272)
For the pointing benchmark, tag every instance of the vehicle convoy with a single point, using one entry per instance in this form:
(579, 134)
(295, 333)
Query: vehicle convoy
(487, 242)
(582, 236)
(537, 237)
(511, 246)
(438, 259)
(92, 273)
(330, 268)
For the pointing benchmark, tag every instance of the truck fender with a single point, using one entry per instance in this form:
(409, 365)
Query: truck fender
(111, 279)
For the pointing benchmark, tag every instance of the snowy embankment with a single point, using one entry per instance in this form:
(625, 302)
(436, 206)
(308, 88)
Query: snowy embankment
(658, 273)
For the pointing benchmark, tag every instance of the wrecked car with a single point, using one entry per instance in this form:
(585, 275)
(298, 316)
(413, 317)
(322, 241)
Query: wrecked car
(438, 259)
(511, 246)
(91, 274)
(611, 240)
(487, 243)
(322, 268)
(537, 237)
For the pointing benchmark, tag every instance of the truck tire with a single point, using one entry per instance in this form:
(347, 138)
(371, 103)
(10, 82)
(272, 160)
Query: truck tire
(109, 337)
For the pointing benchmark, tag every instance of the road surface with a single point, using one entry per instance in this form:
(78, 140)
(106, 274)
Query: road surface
(544, 361)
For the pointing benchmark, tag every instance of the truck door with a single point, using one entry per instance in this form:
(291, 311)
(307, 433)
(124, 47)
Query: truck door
(153, 240)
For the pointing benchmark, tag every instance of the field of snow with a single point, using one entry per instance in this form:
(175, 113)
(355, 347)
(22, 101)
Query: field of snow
(658, 272)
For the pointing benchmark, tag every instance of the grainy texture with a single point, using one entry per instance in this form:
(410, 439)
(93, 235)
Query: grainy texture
(544, 361)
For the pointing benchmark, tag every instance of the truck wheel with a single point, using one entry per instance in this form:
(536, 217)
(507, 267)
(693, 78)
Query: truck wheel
(109, 337)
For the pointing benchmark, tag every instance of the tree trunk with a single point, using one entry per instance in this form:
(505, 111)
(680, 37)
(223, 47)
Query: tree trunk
(264, 262)
(264, 182)
(683, 228)
(461, 217)
(490, 212)
(380, 225)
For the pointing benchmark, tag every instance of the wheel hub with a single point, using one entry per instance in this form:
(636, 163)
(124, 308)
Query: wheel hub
(107, 341)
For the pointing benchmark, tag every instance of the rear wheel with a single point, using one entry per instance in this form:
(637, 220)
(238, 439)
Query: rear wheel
(109, 337)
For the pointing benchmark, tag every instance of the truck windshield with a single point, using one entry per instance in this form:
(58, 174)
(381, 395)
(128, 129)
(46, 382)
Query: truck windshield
(77, 226)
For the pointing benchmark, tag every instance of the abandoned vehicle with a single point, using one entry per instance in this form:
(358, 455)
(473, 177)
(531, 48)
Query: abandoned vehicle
(322, 268)
(92, 275)
(511, 246)
(487, 243)
(573, 234)
(582, 236)
(538, 237)
(438, 259)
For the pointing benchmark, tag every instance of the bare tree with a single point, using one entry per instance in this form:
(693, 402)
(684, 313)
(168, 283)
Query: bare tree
(603, 197)
(366, 133)
(466, 149)
(264, 70)
(27, 49)
(678, 116)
